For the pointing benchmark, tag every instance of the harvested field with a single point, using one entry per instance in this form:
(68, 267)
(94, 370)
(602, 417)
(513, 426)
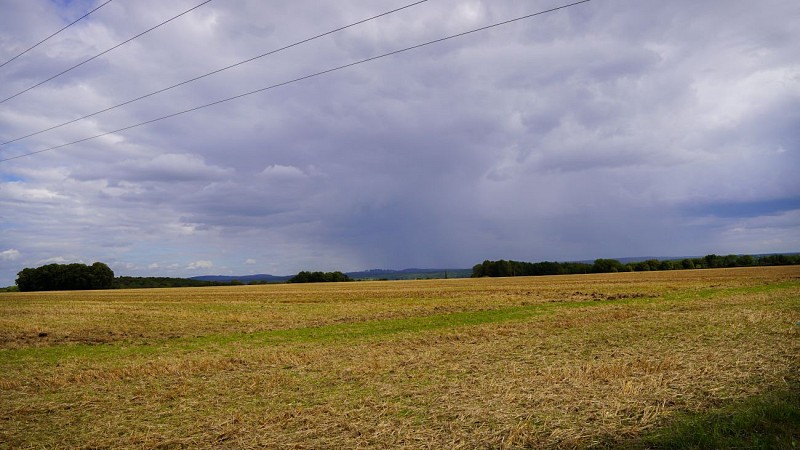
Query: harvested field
(615, 360)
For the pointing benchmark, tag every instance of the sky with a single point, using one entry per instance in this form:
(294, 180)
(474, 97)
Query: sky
(612, 128)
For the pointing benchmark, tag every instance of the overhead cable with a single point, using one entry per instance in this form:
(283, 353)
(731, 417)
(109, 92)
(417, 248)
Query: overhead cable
(212, 73)
(59, 31)
(104, 52)
(295, 80)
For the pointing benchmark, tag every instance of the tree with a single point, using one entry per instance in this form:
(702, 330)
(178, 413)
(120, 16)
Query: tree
(606, 266)
(711, 261)
(668, 265)
(28, 280)
(102, 276)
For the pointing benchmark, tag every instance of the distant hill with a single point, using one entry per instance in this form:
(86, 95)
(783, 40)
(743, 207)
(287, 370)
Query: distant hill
(262, 277)
(409, 274)
(374, 274)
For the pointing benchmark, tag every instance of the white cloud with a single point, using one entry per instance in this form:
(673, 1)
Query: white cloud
(55, 260)
(203, 264)
(250, 261)
(120, 265)
(21, 192)
(278, 171)
(9, 255)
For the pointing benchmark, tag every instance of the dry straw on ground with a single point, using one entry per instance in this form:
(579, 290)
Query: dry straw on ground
(566, 362)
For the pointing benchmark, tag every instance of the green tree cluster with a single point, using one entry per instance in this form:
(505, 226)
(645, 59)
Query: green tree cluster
(503, 268)
(319, 277)
(65, 277)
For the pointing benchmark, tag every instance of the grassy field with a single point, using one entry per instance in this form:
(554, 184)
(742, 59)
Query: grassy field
(683, 359)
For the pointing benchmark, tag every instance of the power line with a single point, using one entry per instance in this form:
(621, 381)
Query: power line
(212, 73)
(104, 52)
(295, 80)
(59, 31)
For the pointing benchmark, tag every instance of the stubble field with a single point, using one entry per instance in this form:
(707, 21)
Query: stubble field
(635, 360)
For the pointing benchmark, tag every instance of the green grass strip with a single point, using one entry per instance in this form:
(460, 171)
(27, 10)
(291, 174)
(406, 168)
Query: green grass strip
(326, 333)
(768, 421)
(719, 291)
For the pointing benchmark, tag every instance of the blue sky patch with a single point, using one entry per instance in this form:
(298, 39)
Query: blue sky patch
(747, 209)
(10, 178)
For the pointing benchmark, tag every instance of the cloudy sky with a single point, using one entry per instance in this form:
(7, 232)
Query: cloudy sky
(612, 128)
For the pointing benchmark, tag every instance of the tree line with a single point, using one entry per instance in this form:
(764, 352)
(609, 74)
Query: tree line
(503, 268)
(71, 277)
(163, 282)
